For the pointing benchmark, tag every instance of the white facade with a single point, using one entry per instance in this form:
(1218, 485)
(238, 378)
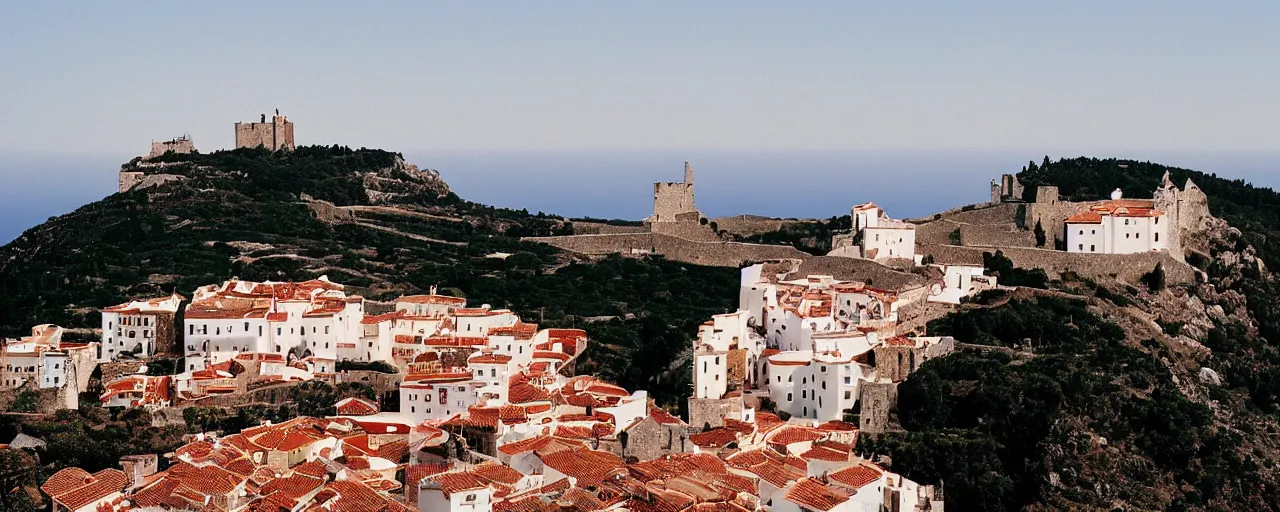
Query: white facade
(816, 386)
(959, 281)
(881, 237)
(437, 398)
(1118, 226)
(132, 327)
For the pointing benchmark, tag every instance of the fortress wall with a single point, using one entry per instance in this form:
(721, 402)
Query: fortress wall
(688, 230)
(748, 225)
(672, 199)
(1053, 216)
(597, 228)
(1126, 267)
(999, 236)
(719, 254)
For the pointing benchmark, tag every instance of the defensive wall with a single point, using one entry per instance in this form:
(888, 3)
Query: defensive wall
(749, 225)
(1127, 267)
(716, 254)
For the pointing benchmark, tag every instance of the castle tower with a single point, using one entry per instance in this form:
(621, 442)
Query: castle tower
(673, 201)
(276, 135)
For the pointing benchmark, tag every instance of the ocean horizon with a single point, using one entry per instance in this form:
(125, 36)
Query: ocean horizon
(618, 184)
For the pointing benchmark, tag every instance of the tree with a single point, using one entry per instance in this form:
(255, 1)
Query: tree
(17, 480)
(1040, 235)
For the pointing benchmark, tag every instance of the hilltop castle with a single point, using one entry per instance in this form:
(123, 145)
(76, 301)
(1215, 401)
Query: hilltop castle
(276, 135)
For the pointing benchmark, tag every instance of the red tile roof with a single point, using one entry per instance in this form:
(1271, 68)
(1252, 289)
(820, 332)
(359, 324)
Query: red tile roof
(812, 494)
(794, 434)
(355, 406)
(458, 481)
(714, 438)
(855, 477)
(587, 467)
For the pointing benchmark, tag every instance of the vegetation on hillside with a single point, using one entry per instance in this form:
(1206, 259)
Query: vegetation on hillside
(813, 237)
(1089, 418)
(241, 214)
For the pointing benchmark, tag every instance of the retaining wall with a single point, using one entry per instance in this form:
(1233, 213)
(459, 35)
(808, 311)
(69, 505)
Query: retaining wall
(1126, 267)
(717, 254)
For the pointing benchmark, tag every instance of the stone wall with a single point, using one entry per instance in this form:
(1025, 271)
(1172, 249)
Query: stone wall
(748, 225)
(711, 411)
(877, 401)
(1126, 267)
(597, 228)
(648, 440)
(381, 382)
(688, 230)
(180, 145)
(721, 254)
(127, 180)
(896, 363)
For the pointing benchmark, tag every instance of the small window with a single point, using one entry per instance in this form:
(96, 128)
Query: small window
(788, 397)
(1082, 247)
(1157, 235)
(1082, 231)
(1091, 248)
(246, 327)
(848, 395)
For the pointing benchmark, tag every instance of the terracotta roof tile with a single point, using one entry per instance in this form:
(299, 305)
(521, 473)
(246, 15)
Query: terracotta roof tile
(812, 494)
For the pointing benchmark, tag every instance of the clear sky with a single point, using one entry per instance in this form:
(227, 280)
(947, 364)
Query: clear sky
(1083, 76)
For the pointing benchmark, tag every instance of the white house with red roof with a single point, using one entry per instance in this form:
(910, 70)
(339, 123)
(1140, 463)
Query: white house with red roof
(137, 327)
(1118, 226)
(307, 320)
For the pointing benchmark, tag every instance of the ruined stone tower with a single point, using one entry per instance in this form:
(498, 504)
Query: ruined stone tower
(180, 145)
(673, 202)
(276, 135)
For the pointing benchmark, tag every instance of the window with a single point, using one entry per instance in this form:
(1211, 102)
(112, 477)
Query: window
(1093, 231)
(1126, 222)
(824, 368)
(146, 333)
(479, 373)
(413, 409)
(493, 372)
(788, 397)
(1157, 237)
(846, 380)
(804, 393)
(1091, 248)
(471, 497)
(877, 237)
(326, 329)
(1126, 235)
(427, 399)
(848, 394)
(279, 331)
(204, 329)
(717, 359)
(1082, 247)
(1157, 221)
(462, 388)
(133, 334)
(1082, 231)
(246, 327)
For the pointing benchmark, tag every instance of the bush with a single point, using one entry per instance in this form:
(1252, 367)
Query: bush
(374, 366)
(28, 400)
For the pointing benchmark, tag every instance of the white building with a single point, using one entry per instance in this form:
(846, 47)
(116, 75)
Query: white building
(1118, 226)
(42, 360)
(438, 396)
(881, 237)
(138, 326)
(958, 282)
(306, 321)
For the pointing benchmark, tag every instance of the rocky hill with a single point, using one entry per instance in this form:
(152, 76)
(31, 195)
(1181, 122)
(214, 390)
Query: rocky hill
(365, 218)
(1099, 394)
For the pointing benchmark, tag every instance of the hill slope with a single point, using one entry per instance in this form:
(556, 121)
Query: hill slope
(1105, 395)
(364, 218)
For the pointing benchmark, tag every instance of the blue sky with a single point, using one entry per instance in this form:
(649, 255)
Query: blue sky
(911, 104)
(111, 76)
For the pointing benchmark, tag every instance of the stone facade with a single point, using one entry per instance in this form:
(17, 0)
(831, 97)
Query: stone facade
(876, 400)
(711, 411)
(896, 363)
(180, 145)
(648, 439)
(1006, 190)
(275, 136)
(672, 199)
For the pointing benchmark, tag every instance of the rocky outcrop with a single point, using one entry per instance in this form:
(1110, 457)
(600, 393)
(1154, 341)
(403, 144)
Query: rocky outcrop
(403, 181)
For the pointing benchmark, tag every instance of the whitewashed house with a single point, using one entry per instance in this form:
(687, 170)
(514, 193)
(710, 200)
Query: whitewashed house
(881, 237)
(1118, 226)
(138, 327)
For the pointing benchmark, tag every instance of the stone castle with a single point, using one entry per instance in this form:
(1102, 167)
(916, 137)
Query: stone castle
(180, 145)
(276, 135)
